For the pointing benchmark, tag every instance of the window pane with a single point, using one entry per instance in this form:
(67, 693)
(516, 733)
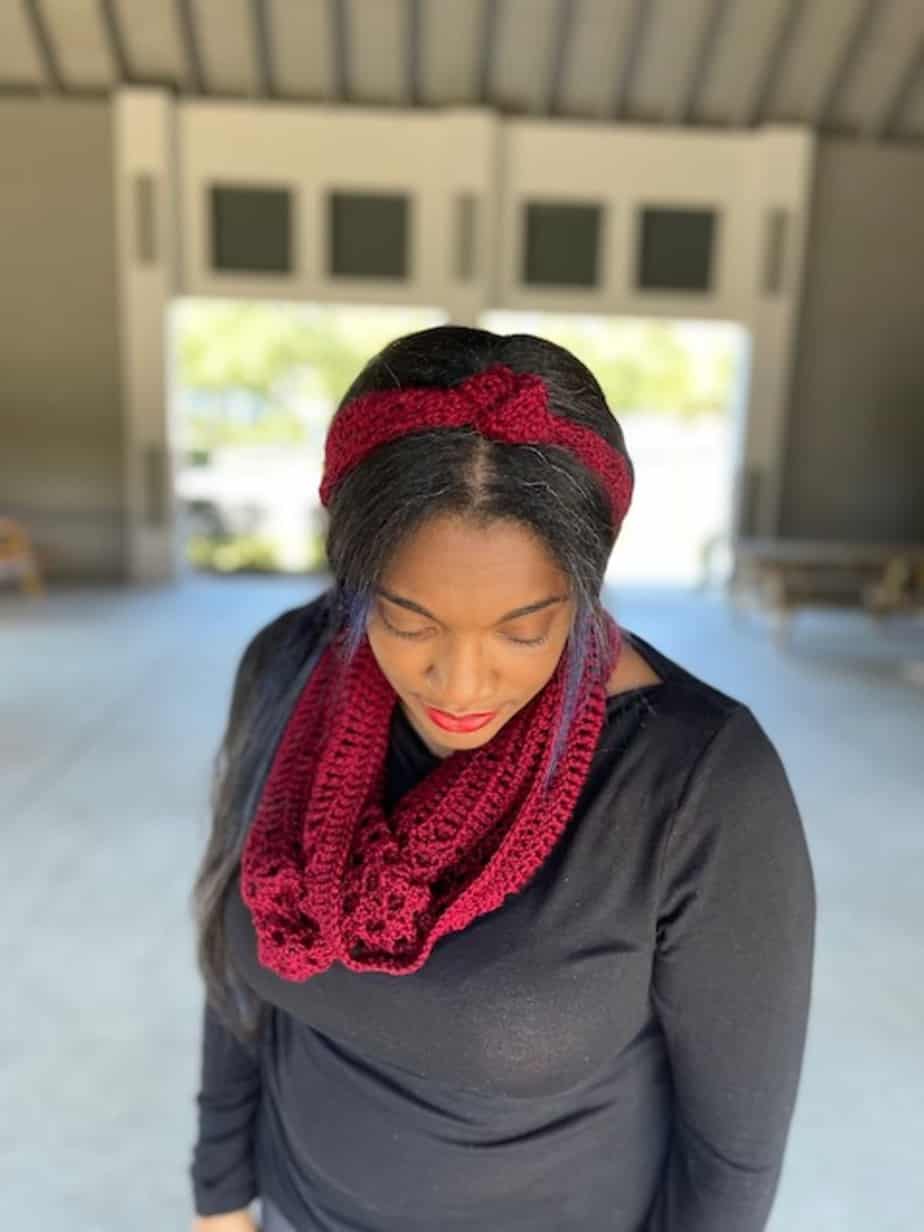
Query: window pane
(675, 253)
(368, 235)
(251, 230)
(562, 244)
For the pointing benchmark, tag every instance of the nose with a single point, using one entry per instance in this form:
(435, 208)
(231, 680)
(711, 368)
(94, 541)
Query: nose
(461, 678)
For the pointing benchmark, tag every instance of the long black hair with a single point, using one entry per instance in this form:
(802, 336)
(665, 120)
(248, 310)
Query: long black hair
(377, 506)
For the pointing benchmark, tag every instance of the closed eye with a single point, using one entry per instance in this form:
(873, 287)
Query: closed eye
(517, 641)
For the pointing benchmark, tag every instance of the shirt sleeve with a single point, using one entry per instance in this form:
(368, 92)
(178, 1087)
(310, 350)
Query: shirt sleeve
(732, 982)
(222, 1171)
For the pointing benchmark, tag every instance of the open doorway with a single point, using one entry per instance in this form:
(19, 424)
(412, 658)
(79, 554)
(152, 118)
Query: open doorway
(678, 389)
(253, 386)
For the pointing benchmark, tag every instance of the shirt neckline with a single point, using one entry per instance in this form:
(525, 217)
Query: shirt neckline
(655, 661)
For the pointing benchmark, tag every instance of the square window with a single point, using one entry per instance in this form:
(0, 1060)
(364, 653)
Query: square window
(251, 229)
(368, 235)
(675, 250)
(562, 244)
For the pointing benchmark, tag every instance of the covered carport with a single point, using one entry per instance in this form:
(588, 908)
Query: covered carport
(755, 162)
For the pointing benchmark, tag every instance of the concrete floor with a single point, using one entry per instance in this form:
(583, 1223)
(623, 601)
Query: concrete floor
(111, 703)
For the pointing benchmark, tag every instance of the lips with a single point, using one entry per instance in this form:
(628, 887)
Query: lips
(462, 723)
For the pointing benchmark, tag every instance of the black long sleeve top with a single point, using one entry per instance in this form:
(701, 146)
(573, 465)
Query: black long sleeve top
(617, 1048)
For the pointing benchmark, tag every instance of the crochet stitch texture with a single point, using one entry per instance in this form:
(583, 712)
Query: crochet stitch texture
(328, 876)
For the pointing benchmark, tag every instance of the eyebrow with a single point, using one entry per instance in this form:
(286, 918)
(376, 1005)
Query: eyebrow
(517, 611)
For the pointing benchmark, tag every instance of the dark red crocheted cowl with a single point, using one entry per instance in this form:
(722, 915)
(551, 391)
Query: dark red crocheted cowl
(328, 876)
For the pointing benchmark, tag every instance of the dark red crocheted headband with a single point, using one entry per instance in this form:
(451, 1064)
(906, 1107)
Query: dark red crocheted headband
(498, 402)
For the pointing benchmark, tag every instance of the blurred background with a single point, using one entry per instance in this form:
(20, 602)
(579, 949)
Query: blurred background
(212, 213)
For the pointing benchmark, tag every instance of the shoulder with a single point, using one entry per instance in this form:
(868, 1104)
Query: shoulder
(731, 803)
(739, 767)
(736, 842)
(687, 728)
(684, 711)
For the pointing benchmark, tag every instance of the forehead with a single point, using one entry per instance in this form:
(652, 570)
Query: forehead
(463, 570)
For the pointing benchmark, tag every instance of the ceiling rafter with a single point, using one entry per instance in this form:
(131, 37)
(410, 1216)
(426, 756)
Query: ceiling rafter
(888, 122)
(782, 31)
(632, 54)
(41, 36)
(776, 57)
(867, 14)
(413, 52)
(709, 37)
(186, 20)
(489, 26)
(262, 47)
(561, 44)
(340, 50)
(118, 51)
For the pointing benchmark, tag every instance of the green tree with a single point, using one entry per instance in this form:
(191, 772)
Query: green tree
(644, 365)
(237, 345)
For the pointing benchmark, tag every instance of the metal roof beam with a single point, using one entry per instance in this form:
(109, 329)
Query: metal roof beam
(887, 123)
(412, 54)
(262, 47)
(41, 36)
(561, 43)
(187, 22)
(117, 49)
(489, 24)
(785, 34)
(709, 37)
(625, 76)
(868, 11)
(340, 56)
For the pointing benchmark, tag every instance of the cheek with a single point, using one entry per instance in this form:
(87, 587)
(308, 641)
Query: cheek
(388, 651)
(539, 671)
(403, 664)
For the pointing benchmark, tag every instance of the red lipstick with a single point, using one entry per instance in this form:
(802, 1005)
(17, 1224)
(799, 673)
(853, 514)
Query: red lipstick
(460, 723)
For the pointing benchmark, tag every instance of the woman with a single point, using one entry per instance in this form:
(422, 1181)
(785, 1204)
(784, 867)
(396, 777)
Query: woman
(506, 919)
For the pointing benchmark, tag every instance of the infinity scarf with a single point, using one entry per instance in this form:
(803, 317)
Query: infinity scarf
(328, 876)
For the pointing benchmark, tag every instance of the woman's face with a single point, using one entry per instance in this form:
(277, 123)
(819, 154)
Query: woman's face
(445, 634)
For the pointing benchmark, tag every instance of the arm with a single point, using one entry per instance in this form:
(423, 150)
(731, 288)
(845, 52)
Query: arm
(732, 982)
(222, 1169)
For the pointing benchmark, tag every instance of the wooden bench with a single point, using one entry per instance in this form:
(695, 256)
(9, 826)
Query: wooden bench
(783, 575)
(17, 557)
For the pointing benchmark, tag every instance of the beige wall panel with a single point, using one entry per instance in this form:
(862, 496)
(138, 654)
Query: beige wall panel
(433, 156)
(60, 465)
(146, 242)
(855, 438)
